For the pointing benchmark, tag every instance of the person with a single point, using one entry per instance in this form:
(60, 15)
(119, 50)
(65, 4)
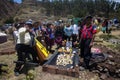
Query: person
(105, 26)
(15, 32)
(37, 29)
(24, 45)
(68, 31)
(75, 34)
(58, 36)
(109, 26)
(49, 37)
(87, 37)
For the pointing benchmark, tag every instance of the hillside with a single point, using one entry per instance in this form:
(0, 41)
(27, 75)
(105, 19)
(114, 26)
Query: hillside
(7, 9)
(30, 9)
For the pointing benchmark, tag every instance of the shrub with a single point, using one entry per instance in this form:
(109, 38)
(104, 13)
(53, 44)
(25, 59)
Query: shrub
(9, 20)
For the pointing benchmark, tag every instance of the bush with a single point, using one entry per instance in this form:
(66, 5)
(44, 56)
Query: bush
(9, 20)
(117, 47)
(70, 16)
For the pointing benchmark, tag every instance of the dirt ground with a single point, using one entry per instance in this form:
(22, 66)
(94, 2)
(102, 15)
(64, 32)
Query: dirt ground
(108, 70)
(39, 74)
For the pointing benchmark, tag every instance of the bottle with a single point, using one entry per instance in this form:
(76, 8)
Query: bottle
(70, 44)
(67, 43)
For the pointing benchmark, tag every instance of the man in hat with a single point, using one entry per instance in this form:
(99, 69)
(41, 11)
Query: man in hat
(24, 45)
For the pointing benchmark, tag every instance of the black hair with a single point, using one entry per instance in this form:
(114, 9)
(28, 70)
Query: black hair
(29, 25)
(36, 24)
(19, 25)
(85, 20)
(49, 24)
(88, 17)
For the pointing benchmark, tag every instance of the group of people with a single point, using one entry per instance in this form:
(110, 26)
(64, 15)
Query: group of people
(50, 34)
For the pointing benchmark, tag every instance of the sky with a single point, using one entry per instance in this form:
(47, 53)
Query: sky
(117, 0)
(19, 1)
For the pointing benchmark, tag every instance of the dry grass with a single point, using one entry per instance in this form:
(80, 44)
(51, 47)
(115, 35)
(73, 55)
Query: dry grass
(115, 33)
(39, 74)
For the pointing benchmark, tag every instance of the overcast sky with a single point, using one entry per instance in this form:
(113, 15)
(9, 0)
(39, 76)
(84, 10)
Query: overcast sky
(117, 0)
(19, 1)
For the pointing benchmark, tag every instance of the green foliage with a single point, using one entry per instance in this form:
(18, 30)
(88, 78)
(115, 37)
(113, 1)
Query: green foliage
(111, 46)
(117, 47)
(9, 20)
(70, 16)
(16, 19)
(30, 75)
(0, 25)
(107, 37)
(80, 8)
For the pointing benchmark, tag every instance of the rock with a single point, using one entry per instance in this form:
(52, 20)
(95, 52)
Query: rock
(95, 78)
(96, 71)
(110, 56)
(103, 76)
(118, 71)
(105, 70)
(3, 37)
(111, 63)
(100, 68)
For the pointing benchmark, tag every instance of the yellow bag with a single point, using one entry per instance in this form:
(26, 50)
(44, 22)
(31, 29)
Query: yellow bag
(41, 50)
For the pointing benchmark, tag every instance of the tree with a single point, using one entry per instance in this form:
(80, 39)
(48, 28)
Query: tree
(80, 8)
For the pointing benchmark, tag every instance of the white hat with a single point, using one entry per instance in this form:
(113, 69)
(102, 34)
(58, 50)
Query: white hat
(29, 21)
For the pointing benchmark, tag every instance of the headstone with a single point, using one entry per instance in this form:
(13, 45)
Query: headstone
(3, 37)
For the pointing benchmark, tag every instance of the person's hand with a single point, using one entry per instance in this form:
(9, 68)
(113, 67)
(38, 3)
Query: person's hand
(77, 37)
(75, 43)
(30, 30)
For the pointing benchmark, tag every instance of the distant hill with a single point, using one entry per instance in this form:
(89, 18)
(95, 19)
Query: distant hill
(30, 9)
(7, 9)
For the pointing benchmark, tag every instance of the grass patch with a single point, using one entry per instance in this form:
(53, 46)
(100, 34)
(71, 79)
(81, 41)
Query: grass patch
(111, 46)
(115, 47)
(107, 37)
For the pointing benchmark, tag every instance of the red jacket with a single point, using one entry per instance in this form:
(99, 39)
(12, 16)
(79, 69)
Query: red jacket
(87, 32)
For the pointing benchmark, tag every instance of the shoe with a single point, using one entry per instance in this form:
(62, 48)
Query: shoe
(36, 61)
(17, 73)
(52, 51)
